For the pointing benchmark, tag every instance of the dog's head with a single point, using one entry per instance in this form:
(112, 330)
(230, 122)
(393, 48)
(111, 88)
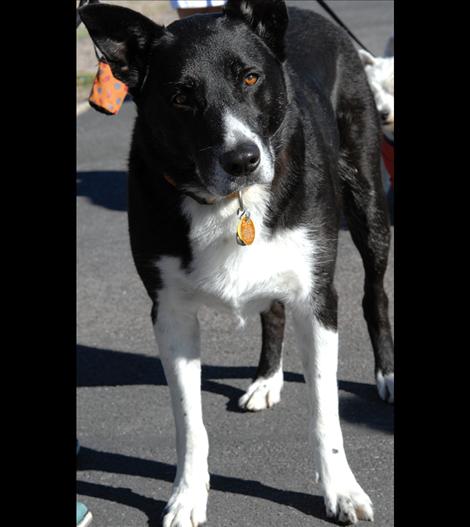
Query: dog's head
(380, 72)
(210, 88)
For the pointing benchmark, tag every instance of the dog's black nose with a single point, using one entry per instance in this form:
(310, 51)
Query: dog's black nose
(243, 159)
(384, 115)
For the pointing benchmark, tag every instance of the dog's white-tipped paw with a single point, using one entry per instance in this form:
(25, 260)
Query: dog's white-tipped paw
(349, 507)
(386, 386)
(186, 508)
(263, 393)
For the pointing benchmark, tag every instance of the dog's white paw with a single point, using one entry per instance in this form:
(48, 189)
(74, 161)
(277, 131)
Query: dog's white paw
(386, 386)
(187, 507)
(349, 506)
(263, 393)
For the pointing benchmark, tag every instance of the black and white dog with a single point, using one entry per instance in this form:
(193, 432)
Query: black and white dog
(255, 122)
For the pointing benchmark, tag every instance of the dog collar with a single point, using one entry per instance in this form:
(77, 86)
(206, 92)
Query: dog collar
(245, 229)
(201, 201)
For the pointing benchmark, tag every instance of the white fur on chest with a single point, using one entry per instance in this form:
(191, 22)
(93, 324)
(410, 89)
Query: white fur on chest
(244, 279)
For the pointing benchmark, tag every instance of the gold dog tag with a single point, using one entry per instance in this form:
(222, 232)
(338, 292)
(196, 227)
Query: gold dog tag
(245, 230)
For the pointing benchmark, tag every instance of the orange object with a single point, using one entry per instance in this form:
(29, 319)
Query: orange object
(245, 231)
(107, 93)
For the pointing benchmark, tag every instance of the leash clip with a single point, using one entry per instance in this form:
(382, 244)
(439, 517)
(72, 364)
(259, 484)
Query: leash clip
(241, 210)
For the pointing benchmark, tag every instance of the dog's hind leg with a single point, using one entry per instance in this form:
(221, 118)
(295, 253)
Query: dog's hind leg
(177, 332)
(365, 207)
(265, 391)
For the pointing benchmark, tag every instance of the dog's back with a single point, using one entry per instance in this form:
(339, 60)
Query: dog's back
(330, 85)
(323, 58)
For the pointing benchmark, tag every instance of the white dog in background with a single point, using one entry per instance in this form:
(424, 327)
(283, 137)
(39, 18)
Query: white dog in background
(380, 72)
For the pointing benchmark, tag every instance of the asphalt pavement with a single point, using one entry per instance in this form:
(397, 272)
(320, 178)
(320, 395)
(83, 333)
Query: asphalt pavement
(260, 465)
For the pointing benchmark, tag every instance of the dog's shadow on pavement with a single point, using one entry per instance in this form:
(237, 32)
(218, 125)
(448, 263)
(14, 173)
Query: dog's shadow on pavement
(106, 189)
(94, 460)
(359, 402)
(151, 508)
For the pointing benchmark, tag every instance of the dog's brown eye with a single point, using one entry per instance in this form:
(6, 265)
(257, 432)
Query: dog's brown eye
(180, 100)
(251, 79)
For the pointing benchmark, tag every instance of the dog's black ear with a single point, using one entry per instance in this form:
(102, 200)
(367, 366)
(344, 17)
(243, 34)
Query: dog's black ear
(267, 18)
(124, 37)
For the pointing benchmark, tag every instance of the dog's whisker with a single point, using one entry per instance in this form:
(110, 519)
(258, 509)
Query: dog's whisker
(206, 148)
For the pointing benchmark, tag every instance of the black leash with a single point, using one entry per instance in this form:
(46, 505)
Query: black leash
(335, 17)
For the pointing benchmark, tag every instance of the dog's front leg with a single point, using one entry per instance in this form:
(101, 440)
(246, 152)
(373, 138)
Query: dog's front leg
(318, 344)
(177, 333)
